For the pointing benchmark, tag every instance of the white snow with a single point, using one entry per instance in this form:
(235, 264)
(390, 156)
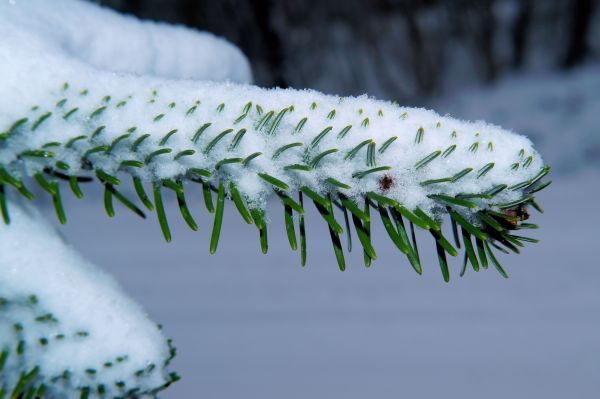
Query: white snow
(38, 55)
(82, 299)
(78, 31)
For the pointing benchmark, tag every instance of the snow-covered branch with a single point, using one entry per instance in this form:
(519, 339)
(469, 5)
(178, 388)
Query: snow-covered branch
(65, 326)
(87, 94)
(67, 116)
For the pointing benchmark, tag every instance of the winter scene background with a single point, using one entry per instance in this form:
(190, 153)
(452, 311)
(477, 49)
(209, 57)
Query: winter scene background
(255, 326)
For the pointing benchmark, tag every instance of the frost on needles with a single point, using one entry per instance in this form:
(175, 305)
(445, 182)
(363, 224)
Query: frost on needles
(88, 94)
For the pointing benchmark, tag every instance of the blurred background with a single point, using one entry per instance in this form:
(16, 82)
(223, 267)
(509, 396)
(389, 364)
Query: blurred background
(407, 50)
(256, 326)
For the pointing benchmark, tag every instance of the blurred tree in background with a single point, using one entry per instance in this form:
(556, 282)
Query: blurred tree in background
(408, 50)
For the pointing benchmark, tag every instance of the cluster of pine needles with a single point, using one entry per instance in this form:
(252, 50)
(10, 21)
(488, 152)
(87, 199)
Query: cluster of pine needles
(487, 229)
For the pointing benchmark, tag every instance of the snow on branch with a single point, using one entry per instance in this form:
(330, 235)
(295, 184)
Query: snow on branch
(66, 328)
(73, 120)
(87, 94)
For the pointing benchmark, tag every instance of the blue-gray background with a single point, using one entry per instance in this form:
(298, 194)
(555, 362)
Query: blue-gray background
(254, 326)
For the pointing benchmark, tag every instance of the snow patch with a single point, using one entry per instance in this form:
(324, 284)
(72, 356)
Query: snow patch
(88, 322)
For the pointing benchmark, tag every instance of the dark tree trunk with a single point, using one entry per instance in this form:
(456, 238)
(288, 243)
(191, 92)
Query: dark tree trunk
(485, 35)
(520, 33)
(422, 68)
(579, 24)
(272, 46)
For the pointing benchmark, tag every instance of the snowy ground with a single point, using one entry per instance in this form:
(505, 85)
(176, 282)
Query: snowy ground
(254, 326)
